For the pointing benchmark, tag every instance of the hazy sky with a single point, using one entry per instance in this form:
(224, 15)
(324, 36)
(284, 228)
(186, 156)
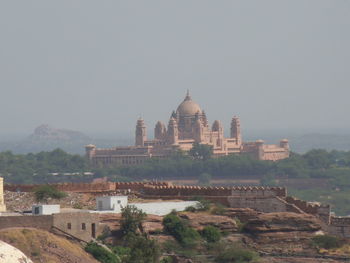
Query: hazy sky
(95, 66)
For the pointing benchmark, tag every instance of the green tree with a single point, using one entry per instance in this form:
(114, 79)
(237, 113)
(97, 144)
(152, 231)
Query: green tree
(131, 220)
(43, 193)
(201, 151)
(142, 250)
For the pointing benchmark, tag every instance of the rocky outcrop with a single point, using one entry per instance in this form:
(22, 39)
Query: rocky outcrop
(200, 220)
(283, 222)
(243, 214)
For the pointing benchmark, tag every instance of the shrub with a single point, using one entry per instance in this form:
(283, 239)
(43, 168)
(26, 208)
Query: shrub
(185, 235)
(190, 209)
(42, 193)
(326, 241)
(101, 254)
(203, 204)
(218, 209)
(236, 254)
(240, 225)
(211, 234)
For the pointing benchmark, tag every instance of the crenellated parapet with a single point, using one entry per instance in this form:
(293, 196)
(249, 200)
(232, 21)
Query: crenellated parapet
(240, 191)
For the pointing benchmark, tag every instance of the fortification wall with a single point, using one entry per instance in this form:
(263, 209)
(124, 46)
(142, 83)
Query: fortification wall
(88, 187)
(340, 226)
(262, 204)
(178, 191)
(314, 208)
(44, 222)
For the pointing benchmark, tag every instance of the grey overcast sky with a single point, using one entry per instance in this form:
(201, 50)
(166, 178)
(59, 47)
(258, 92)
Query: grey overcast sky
(95, 66)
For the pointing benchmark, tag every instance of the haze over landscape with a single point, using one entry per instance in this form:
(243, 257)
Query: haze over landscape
(282, 66)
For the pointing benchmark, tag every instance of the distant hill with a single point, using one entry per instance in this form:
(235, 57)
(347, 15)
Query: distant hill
(310, 141)
(46, 138)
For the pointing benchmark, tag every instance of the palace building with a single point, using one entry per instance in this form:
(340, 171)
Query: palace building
(187, 125)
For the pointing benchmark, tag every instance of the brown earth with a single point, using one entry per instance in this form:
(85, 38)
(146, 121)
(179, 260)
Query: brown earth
(41, 246)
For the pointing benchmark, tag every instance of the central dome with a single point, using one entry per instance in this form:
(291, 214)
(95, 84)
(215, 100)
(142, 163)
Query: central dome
(188, 107)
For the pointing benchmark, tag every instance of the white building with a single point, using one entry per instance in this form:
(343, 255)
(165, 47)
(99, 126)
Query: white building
(111, 203)
(45, 209)
(114, 204)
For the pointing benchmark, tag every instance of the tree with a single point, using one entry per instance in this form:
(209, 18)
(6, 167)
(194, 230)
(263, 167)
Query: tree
(42, 193)
(142, 250)
(201, 151)
(131, 220)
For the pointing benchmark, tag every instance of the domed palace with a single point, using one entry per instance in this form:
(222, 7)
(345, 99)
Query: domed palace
(187, 125)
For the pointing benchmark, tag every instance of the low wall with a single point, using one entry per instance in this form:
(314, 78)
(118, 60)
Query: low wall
(44, 222)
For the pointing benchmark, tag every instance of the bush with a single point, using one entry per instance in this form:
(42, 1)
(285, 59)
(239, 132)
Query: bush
(42, 193)
(185, 235)
(211, 234)
(203, 204)
(218, 209)
(101, 254)
(326, 242)
(236, 254)
(240, 225)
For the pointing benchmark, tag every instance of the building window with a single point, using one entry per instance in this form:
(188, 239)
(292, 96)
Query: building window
(83, 226)
(119, 201)
(69, 226)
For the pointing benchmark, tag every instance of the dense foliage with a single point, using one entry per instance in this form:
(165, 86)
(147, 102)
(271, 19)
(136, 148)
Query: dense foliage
(176, 227)
(211, 234)
(58, 166)
(44, 192)
(131, 220)
(326, 241)
(100, 253)
(41, 167)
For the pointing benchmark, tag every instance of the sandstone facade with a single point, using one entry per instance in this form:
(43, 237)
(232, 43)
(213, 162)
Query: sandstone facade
(187, 125)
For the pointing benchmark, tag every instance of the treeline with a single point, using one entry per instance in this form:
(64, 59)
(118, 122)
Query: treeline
(42, 167)
(313, 164)
(52, 166)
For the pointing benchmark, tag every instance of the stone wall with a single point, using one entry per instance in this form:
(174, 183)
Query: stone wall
(340, 226)
(242, 191)
(44, 222)
(79, 224)
(88, 187)
(320, 210)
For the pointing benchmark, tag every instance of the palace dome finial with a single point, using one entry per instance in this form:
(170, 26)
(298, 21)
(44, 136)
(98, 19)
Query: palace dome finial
(188, 106)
